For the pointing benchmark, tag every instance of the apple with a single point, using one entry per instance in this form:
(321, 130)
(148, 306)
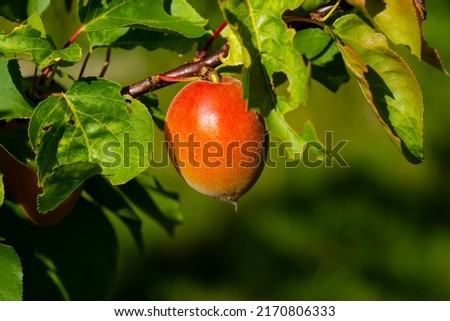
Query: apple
(21, 186)
(215, 143)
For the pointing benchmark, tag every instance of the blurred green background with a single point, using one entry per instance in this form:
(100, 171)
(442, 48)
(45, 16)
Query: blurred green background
(376, 230)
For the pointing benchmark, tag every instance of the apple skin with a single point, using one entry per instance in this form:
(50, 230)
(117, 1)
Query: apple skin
(215, 143)
(21, 185)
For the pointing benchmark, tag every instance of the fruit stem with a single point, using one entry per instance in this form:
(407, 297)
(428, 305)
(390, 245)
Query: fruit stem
(213, 76)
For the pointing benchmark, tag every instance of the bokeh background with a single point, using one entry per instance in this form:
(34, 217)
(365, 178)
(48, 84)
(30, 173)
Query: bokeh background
(376, 230)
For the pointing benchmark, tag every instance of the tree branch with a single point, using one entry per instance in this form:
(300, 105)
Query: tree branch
(200, 66)
(191, 69)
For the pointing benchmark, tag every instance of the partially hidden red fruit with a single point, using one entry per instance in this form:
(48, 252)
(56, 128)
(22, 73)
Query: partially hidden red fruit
(214, 142)
(21, 185)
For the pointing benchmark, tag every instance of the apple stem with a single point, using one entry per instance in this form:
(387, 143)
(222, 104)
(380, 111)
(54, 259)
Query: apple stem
(213, 76)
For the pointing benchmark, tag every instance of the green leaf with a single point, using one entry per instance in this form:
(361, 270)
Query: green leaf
(328, 67)
(112, 198)
(12, 102)
(20, 10)
(99, 15)
(311, 5)
(130, 38)
(397, 19)
(10, 274)
(269, 44)
(16, 143)
(269, 55)
(63, 181)
(14, 10)
(37, 6)
(148, 197)
(76, 259)
(401, 21)
(236, 51)
(386, 81)
(92, 123)
(35, 88)
(16, 209)
(150, 100)
(106, 38)
(77, 254)
(294, 143)
(52, 273)
(29, 41)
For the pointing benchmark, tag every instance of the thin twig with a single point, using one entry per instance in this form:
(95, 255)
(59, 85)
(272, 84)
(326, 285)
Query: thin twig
(74, 37)
(35, 78)
(291, 20)
(83, 67)
(201, 54)
(106, 63)
(67, 44)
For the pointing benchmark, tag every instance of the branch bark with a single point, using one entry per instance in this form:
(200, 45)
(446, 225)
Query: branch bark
(191, 69)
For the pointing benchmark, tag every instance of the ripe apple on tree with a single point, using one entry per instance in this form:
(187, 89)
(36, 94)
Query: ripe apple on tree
(215, 143)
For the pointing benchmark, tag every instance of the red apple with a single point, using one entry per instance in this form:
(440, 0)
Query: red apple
(214, 142)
